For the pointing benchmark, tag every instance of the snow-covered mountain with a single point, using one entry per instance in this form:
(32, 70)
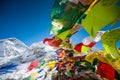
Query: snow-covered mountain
(10, 49)
(37, 51)
(15, 57)
(11, 46)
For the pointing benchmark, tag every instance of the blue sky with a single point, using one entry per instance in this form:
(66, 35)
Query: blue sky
(29, 21)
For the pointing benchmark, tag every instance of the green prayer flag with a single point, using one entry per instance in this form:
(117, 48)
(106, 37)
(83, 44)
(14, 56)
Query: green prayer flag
(103, 13)
(77, 63)
(85, 49)
(109, 40)
(64, 34)
(68, 73)
(64, 15)
(41, 63)
(27, 78)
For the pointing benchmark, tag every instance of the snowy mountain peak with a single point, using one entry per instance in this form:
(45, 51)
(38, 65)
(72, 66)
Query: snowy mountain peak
(37, 45)
(11, 46)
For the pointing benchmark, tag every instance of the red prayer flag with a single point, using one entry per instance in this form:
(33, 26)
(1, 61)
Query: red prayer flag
(32, 65)
(53, 42)
(106, 71)
(78, 47)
